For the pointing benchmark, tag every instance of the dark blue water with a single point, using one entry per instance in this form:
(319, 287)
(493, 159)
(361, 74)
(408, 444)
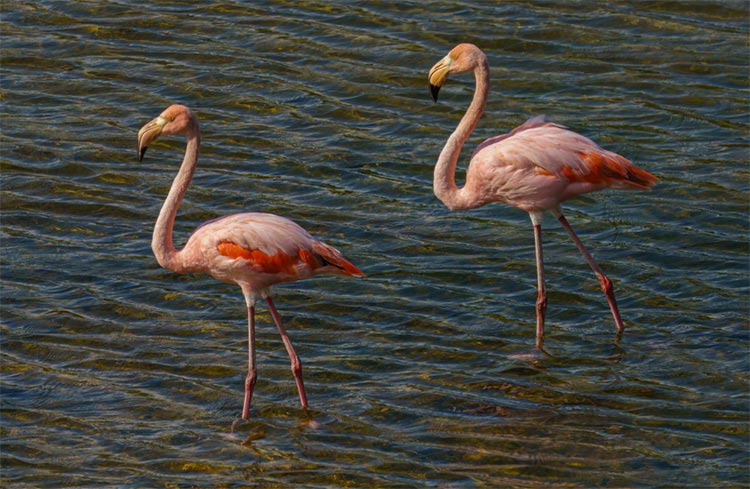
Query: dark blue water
(117, 373)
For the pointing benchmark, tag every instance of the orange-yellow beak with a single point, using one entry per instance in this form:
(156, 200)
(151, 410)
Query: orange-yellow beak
(149, 133)
(438, 75)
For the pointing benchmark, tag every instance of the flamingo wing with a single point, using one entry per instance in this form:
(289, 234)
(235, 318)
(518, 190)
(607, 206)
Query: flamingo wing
(554, 150)
(269, 244)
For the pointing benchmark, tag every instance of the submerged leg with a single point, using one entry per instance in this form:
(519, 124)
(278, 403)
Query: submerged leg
(541, 298)
(251, 369)
(604, 281)
(296, 364)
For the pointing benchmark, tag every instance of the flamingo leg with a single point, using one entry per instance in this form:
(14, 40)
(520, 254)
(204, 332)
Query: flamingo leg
(604, 281)
(296, 364)
(541, 298)
(251, 369)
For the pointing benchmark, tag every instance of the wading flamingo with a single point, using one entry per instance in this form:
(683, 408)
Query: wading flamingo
(253, 250)
(535, 167)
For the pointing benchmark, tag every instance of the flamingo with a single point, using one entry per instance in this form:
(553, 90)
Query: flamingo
(253, 250)
(535, 167)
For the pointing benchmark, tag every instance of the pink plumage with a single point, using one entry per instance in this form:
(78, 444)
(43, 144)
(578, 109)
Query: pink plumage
(535, 167)
(257, 250)
(253, 250)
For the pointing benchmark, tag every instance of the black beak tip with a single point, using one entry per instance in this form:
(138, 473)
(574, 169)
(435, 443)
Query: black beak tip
(141, 153)
(434, 89)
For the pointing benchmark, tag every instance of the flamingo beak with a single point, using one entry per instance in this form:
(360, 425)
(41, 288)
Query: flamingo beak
(149, 133)
(438, 75)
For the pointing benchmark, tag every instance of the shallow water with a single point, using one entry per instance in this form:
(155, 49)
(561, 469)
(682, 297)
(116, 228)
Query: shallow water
(117, 373)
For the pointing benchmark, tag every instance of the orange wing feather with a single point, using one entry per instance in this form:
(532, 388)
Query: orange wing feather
(332, 256)
(277, 263)
(281, 262)
(606, 168)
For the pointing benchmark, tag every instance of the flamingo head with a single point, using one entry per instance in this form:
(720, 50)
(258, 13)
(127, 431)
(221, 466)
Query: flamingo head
(464, 57)
(175, 119)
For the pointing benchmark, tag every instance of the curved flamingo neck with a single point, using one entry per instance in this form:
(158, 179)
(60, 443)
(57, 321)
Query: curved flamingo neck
(161, 242)
(444, 184)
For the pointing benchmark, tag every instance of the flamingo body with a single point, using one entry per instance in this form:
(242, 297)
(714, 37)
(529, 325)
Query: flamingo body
(257, 250)
(541, 164)
(253, 250)
(535, 167)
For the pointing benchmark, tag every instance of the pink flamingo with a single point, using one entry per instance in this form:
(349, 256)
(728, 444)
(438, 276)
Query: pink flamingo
(253, 250)
(535, 167)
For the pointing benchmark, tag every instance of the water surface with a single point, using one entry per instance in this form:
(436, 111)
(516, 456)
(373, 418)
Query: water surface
(117, 373)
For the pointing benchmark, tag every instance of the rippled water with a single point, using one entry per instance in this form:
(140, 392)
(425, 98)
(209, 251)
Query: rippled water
(118, 373)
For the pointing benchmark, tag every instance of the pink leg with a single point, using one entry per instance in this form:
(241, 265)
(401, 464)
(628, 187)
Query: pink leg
(541, 298)
(251, 370)
(296, 364)
(604, 281)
